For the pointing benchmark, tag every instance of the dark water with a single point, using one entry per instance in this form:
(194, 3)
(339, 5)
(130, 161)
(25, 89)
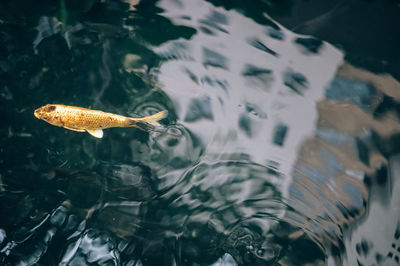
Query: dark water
(279, 148)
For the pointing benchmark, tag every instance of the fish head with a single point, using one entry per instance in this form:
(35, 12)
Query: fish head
(47, 113)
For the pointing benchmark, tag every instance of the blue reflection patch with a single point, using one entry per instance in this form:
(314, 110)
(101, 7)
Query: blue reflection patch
(356, 91)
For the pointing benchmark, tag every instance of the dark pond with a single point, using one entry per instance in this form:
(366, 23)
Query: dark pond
(280, 147)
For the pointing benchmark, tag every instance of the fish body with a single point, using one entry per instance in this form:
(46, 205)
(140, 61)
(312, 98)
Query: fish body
(93, 121)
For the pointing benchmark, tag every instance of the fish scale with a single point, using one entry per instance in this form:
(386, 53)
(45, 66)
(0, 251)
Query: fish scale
(91, 118)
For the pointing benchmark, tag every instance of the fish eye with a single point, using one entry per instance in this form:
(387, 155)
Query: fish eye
(50, 108)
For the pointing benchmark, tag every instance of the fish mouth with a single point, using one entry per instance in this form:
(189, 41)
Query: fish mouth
(36, 113)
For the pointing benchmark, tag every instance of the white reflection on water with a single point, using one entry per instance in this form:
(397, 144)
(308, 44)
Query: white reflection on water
(261, 102)
(376, 238)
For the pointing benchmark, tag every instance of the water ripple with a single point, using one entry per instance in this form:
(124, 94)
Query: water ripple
(275, 151)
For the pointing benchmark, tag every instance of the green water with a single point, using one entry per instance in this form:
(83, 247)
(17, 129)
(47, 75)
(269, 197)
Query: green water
(279, 148)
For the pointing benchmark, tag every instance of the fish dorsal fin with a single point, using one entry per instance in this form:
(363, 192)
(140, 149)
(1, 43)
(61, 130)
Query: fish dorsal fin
(97, 133)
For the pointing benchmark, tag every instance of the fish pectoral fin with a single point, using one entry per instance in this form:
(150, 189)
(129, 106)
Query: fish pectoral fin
(97, 133)
(75, 129)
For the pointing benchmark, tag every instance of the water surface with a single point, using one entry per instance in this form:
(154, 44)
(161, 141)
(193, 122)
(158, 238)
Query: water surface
(276, 150)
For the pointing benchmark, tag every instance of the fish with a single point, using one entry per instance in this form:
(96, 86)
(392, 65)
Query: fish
(93, 121)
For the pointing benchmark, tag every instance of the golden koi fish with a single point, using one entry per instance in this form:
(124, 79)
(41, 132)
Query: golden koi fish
(93, 121)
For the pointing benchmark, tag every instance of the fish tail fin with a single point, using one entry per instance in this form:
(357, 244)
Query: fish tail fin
(145, 122)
